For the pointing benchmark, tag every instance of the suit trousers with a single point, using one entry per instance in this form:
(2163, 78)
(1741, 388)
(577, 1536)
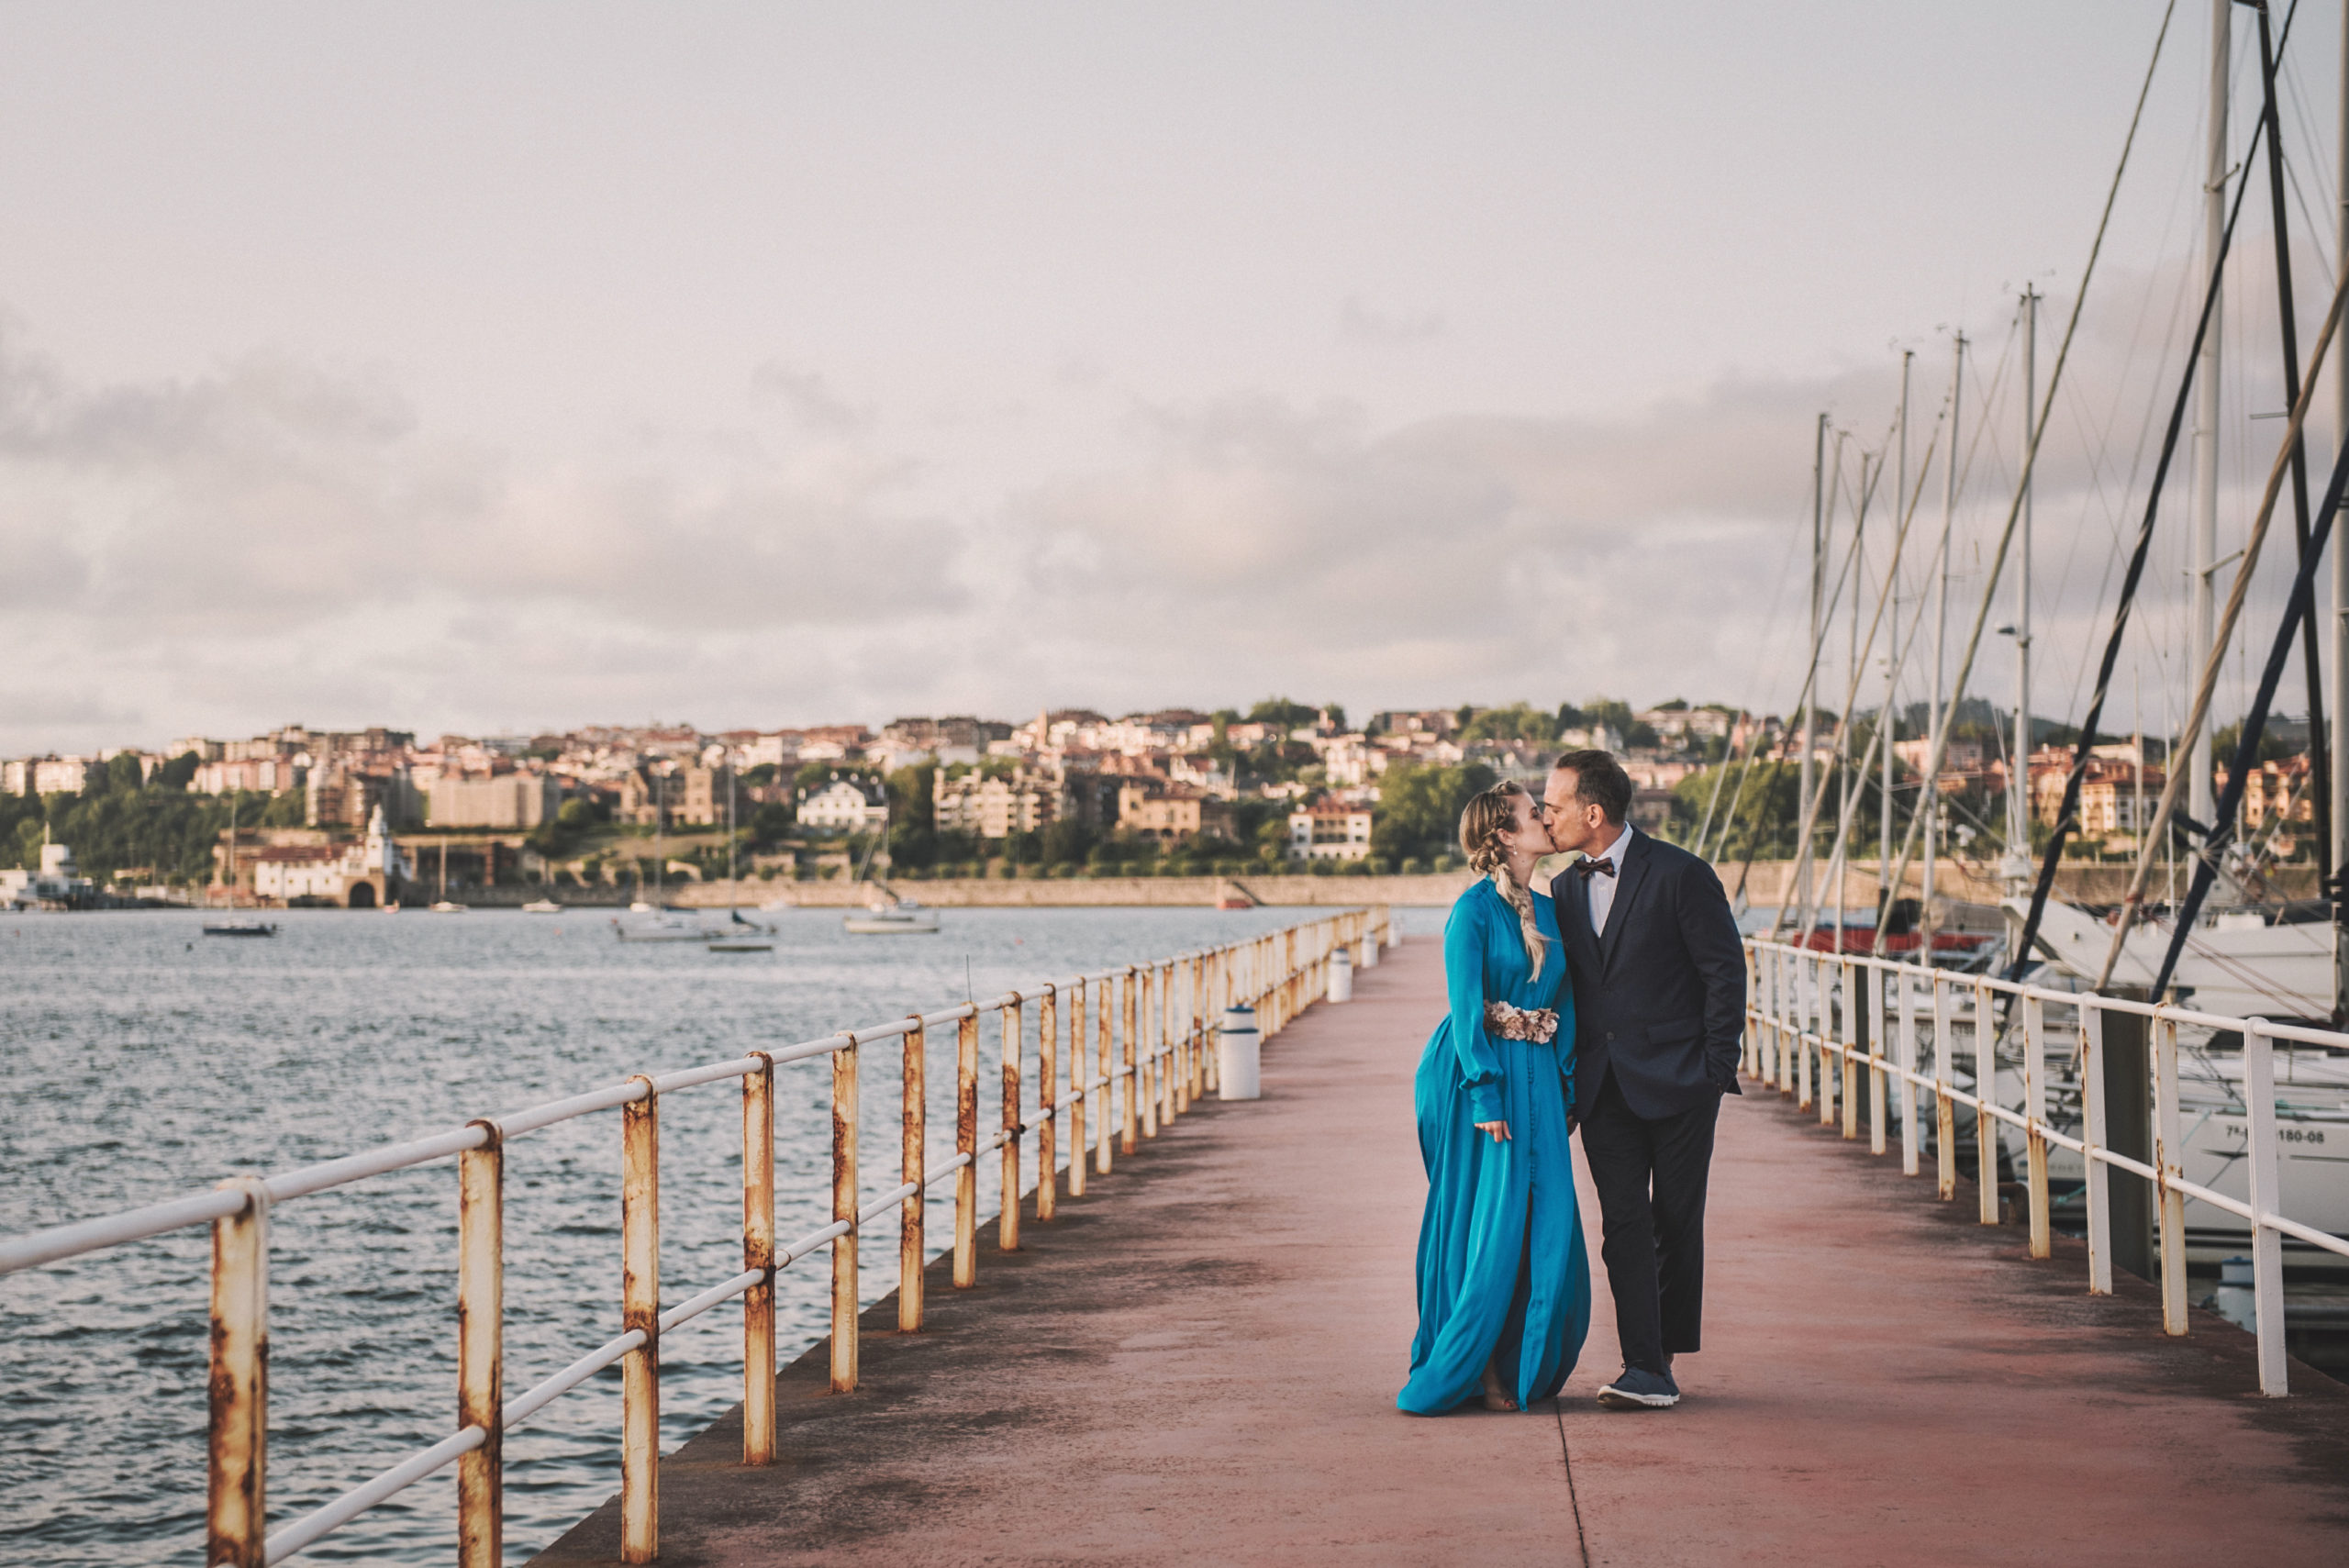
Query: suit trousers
(1650, 1181)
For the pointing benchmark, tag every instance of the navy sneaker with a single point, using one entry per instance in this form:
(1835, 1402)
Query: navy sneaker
(1640, 1389)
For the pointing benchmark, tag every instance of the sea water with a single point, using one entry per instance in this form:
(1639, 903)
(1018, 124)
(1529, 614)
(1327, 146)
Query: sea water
(144, 1060)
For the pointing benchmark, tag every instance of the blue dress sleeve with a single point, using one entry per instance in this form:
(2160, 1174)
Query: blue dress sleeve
(1464, 940)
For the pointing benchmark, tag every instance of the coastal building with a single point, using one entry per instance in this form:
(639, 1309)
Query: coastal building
(1591, 738)
(845, 805)
(1172, 813)
(57, 885)
(995, 806)
(362, 873)
(516, 800)
(2277, 791)
(1329, 830)
(345, 794)
(1683, 725)
(270, 774)
(46, 775)
(697, 796)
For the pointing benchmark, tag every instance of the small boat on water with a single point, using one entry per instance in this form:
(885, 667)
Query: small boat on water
(542, 907)
(884, 914)
(899, 916)
(238, 928)
(743, 944)
(670, 927)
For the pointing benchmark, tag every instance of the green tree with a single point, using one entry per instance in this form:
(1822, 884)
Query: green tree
(1516, 721)
(1419, 806)
(1067, 842)
(1282, 711)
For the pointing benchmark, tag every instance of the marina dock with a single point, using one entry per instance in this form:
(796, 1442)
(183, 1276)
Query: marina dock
(1196, 1361)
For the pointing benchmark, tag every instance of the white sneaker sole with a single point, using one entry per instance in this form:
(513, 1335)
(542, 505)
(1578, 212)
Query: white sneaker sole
(1615, 1399)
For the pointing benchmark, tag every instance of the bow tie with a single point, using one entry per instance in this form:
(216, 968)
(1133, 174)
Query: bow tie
(1590, 868)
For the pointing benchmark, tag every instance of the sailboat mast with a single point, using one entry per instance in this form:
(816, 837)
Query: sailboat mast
(1810, 701)
(2202, 607)
(1929, 795)
(2340, 704)
(2018, 866)
(1886, 725)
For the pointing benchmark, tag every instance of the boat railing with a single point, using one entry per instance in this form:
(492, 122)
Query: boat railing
(1154, 1028)
(1818, 1021)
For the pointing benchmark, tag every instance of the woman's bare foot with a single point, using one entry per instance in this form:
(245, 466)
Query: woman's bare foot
(1497, 1396)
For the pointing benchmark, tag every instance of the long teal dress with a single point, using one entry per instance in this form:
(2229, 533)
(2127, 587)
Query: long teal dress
(1501, 1260)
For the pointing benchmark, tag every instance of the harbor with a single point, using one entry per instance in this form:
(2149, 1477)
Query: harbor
(1174, 1371)
(793, 785)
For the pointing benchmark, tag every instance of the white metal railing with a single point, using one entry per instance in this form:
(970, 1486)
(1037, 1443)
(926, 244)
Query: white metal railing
(1806, 1008)
(1152, 1055)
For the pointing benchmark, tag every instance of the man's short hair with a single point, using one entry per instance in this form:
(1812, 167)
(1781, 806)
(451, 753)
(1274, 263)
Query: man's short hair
(1600, 780)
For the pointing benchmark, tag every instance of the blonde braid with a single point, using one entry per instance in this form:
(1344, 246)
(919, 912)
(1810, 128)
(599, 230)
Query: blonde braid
(1481, 823)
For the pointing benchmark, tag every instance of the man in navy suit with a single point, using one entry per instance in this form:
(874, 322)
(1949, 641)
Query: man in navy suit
(1659, 1011)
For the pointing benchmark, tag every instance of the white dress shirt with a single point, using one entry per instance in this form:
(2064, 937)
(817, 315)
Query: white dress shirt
(1602, 888)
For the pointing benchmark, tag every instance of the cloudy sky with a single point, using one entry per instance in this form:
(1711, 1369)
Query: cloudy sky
(478, 369)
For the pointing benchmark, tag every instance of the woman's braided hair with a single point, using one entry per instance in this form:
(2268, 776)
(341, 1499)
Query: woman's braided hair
(1482, 822)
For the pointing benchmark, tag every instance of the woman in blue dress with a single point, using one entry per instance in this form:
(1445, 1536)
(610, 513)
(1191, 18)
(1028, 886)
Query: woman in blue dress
(1504, 1283)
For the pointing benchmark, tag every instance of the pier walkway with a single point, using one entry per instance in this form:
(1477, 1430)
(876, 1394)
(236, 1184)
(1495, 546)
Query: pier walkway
(1197, 1363)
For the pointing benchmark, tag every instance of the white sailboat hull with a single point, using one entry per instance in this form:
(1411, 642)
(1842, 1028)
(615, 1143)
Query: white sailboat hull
(2245, 969)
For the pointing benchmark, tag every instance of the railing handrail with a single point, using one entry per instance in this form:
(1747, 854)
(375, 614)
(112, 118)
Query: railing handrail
(2303, 1033)
(1272, 971)
(1796, 1016)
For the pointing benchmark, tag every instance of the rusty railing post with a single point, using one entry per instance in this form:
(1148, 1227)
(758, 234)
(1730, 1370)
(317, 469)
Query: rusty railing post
(758, 1252)
(1944, 1080)
(1048, 1078)
(1080, 1062)
(1806, 997)
(1986, 1095)
(844, 1286)
(481, 1375)
(1211, 1018)
(1824, 1079)
(1293, 998)
(641, 1312)
(2034, 1110)
(1855, 1027)
(1007, 1215)
(1196, 1033)
(1878, 986)
(1128, 1102)
(2170, 1155)
(2099, 1189)
(2266, 1244)
(1102, 1141)
(1789, 996)
(1173, 1048)
(914, 1162)
(237, 1501)
(966, 1146)
(1141, 1013)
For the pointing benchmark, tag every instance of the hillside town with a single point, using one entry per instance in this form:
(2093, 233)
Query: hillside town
(351, 817)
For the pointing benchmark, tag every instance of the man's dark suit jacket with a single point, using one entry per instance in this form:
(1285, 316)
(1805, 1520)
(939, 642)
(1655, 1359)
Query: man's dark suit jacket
(1660, 996)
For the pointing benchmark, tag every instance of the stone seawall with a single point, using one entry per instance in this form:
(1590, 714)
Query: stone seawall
(989, 892)
(1765, 883)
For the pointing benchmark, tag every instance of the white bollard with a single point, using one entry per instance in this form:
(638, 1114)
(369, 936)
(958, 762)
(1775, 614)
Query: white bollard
(1368, 958)
(1342, 976)
(1393, 935)
(1238, 1057)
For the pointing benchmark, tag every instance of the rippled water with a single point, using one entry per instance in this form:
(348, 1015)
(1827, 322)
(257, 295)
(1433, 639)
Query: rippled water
(144, 1060)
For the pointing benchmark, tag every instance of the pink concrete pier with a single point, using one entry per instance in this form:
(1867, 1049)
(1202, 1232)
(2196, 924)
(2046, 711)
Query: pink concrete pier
(1197, 1363)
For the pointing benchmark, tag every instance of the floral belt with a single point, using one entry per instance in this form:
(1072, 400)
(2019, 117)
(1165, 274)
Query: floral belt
(1537, 1024)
